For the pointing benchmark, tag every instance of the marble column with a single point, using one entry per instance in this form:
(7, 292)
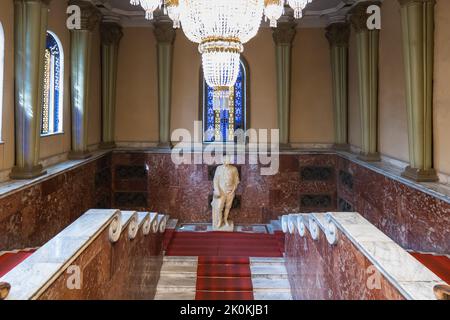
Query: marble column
(111, 33)
(418, 47)
(81, 52)
(367, 42)
(30, 27)
(338, 35)
(283, 36)
(165, 37)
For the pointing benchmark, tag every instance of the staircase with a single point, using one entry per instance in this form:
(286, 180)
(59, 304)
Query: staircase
(224, 266)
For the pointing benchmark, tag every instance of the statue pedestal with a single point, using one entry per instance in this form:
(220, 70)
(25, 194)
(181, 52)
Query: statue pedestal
(225, 228)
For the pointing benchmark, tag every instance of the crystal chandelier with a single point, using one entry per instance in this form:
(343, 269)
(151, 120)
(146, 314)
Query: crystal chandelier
(298, 6)
(221, 28)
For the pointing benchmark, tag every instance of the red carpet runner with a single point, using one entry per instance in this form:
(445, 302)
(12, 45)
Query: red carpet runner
(223, 271)
(10, 260)
(440, 265)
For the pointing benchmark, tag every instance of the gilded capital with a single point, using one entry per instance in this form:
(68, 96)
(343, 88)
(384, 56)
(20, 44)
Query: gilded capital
(359, 15)
(90, 15)
(408, 2)
(164, 31)
(111, 33)
(45, 2)
(338, 34)
(284, 33)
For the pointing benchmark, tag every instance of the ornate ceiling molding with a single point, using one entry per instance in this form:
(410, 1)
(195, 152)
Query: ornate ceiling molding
(317, 14)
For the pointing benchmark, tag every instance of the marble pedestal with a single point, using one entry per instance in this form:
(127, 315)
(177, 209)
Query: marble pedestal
(225, 228)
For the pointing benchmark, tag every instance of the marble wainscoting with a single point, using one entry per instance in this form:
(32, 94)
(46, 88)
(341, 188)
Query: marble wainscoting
(34, 213)
(151, 181)
(105, 254)
(413, 218)
(341, 256)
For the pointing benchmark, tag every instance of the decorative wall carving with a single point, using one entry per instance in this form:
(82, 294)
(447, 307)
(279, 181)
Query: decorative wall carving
(346, 179)
(131, 172)
(130, 199)
(344, 206)
(315, 201)
(312, 173)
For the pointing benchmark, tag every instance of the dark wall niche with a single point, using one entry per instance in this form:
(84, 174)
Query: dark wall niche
(131, 172)
(212, 172)
(344, 206)
(130, 199)
(315, 201)
(346, 179)
(313, 173)
(236, 202)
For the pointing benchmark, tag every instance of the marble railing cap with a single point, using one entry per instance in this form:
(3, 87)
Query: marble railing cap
(30, 278)
(401, 269)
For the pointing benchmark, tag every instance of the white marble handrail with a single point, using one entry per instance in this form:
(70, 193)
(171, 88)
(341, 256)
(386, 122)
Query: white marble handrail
(35, 274)
(413, 280)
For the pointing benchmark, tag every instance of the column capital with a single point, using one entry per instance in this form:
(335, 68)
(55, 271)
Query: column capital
(359, 15)
(285, 32)
(111, 33)
(164, 31)
(90, 15)
(338, 34)
(408, 2)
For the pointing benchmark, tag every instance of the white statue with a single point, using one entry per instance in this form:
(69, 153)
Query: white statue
(226, 181)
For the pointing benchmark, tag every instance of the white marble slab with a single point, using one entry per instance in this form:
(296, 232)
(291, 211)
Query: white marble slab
(176, 283)
(271, 284)
(179, 269)
(262, 260)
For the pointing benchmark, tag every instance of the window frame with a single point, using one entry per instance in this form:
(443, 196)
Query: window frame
(2, 77)
(60, 129)
(246, 99)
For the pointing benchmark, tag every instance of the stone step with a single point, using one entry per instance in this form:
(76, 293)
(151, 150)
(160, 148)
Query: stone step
(170, 295)
(271, 285)
(269, 271)
(264, 295)
(174, 269)
(267, 261)
(176, 283)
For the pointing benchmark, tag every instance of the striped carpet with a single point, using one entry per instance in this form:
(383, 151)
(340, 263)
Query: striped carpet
(9, 260)
(440, 265)
(223, 270)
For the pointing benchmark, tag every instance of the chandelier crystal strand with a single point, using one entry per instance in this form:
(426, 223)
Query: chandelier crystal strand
(273, 10)
(298, 6)
(134, 2)
(150, 6)
(173, 11)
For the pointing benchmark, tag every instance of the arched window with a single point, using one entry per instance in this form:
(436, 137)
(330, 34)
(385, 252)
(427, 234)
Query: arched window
(2, 61)
(220, 125)
(52, 98)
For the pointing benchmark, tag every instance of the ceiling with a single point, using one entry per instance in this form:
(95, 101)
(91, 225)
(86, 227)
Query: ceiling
(317, 14)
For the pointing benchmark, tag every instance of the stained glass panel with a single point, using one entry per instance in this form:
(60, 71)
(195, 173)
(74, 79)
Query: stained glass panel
(51, 117)
(221, 125)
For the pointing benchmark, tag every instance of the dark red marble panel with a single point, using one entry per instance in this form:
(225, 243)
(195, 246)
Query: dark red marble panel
(32, 216)
(106, 267)
(182, 191)
(415, 220)
(319, 271)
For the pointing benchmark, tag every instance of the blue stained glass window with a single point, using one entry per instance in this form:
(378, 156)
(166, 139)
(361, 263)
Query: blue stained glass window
(52, 86)
(220, 125)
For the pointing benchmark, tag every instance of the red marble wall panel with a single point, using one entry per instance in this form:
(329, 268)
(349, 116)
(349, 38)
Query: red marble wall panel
(319, 271)
(182, 191)
(415, 220)
(32, 216)
(125, 270)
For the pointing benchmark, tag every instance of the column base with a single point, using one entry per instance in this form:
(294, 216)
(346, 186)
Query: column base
(107, 145)
(420, 175)
(342, 146)
(369, 157)
(79, 155)
(27, 173)
(165, 145)
(285, 146)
